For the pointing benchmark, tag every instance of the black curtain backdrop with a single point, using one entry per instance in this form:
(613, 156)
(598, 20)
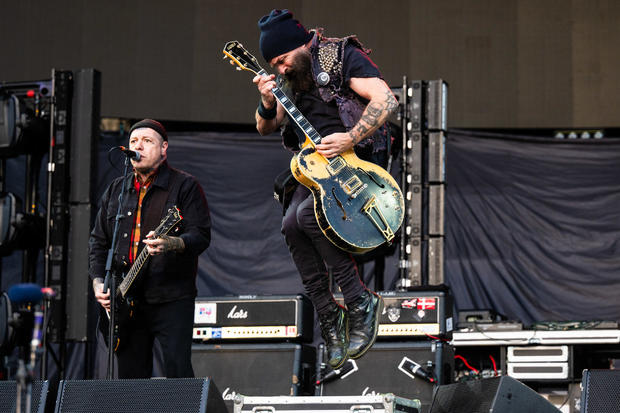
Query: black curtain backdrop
(532, 224)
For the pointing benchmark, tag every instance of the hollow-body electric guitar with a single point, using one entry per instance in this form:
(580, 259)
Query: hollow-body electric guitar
(124, 304)
(358, 204)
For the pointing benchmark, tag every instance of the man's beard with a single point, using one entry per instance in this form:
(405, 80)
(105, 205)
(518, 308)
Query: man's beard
(299, 77)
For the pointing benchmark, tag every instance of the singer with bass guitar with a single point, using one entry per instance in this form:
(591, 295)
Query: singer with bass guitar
(163, 278)
(330, 99)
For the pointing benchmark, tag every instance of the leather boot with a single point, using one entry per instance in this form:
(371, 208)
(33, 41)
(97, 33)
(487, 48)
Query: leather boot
(334, 325)
(364, 315)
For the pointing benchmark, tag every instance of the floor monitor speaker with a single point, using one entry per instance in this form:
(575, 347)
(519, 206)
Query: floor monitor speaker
(600, 391)
(139, 396)
(498, 394)
(8, 396)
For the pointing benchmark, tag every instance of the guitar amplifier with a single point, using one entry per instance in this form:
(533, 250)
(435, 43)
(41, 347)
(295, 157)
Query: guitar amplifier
(415, 314)
(242, 318)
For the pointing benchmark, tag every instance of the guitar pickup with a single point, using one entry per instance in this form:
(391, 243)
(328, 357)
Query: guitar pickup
(352, 185)
(336, 165)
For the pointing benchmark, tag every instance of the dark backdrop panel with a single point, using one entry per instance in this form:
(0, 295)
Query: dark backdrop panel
(247, 253)
(532, 226)
(515, 63)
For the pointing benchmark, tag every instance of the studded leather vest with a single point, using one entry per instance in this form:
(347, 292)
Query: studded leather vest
(327, 60)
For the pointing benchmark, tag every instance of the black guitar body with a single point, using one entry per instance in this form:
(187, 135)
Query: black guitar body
(123, 318)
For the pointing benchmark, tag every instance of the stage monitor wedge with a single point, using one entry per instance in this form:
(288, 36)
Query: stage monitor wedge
(498, 394)
(139, 396)
(600, 391)
(8, 396)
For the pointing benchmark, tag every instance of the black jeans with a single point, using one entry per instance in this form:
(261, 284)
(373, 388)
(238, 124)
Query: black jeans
(171, 323)
(312, 253)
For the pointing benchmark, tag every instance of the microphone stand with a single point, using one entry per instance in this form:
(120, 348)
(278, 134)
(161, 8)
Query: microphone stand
(110, 276)
(25, 371)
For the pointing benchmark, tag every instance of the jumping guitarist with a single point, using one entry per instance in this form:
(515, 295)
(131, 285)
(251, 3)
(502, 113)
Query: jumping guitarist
(339, 90)
(165, 286)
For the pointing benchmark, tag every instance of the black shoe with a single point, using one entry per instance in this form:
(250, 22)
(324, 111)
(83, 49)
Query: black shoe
(334, 324)
(364, 316)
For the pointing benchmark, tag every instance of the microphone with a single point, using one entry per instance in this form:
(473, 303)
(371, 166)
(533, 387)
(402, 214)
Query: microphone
(130, 153)
(25, 293)
(349, 367)
(408, 366)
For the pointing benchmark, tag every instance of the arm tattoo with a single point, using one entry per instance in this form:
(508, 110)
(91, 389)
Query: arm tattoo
(374, 115)
(390, 101)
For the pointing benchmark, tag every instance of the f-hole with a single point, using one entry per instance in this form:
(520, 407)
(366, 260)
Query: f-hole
(344, 213)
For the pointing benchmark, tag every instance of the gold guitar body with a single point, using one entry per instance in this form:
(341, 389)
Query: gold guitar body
(358, 204)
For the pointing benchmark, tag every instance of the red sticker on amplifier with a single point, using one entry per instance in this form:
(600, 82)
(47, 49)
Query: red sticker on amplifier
(426, 303)
(409, 303)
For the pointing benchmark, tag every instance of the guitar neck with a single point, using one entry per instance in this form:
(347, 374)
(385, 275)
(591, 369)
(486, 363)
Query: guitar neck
(173, 217)
(299, 119)
(133, 272)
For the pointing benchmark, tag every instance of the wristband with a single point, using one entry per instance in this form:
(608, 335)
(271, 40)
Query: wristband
(267, 113)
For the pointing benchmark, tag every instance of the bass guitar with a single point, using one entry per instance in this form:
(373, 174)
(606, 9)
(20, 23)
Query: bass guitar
(124, 304)
(358, 204)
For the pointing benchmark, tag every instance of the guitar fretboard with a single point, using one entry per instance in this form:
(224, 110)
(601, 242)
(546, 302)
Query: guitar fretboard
(295, 114)
(133, 272)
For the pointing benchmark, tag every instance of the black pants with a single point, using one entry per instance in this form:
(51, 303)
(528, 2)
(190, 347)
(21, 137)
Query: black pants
(312, 253)
(171, 323)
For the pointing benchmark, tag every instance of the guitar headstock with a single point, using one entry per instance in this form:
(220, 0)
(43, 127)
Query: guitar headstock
(172, 218)
(241, 57)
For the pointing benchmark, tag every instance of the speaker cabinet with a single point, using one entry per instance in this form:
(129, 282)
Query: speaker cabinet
(387, 368)
(600, 391)
(85, 119)
(8, 396)
(499, 394)
(277, 369)
(140, 395)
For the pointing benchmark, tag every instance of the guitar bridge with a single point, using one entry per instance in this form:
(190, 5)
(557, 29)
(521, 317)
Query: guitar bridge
(372, 210)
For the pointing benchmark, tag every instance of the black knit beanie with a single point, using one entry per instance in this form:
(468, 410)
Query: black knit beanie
(280, 33)
(151, 124)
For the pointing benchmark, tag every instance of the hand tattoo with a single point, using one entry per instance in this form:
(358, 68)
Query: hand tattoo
(175, 244)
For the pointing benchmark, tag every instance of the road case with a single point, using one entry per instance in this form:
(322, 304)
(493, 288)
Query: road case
(377, 403)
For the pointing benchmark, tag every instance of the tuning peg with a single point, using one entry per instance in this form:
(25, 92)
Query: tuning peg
(238, 68)
(232, 63)
(225, 57)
